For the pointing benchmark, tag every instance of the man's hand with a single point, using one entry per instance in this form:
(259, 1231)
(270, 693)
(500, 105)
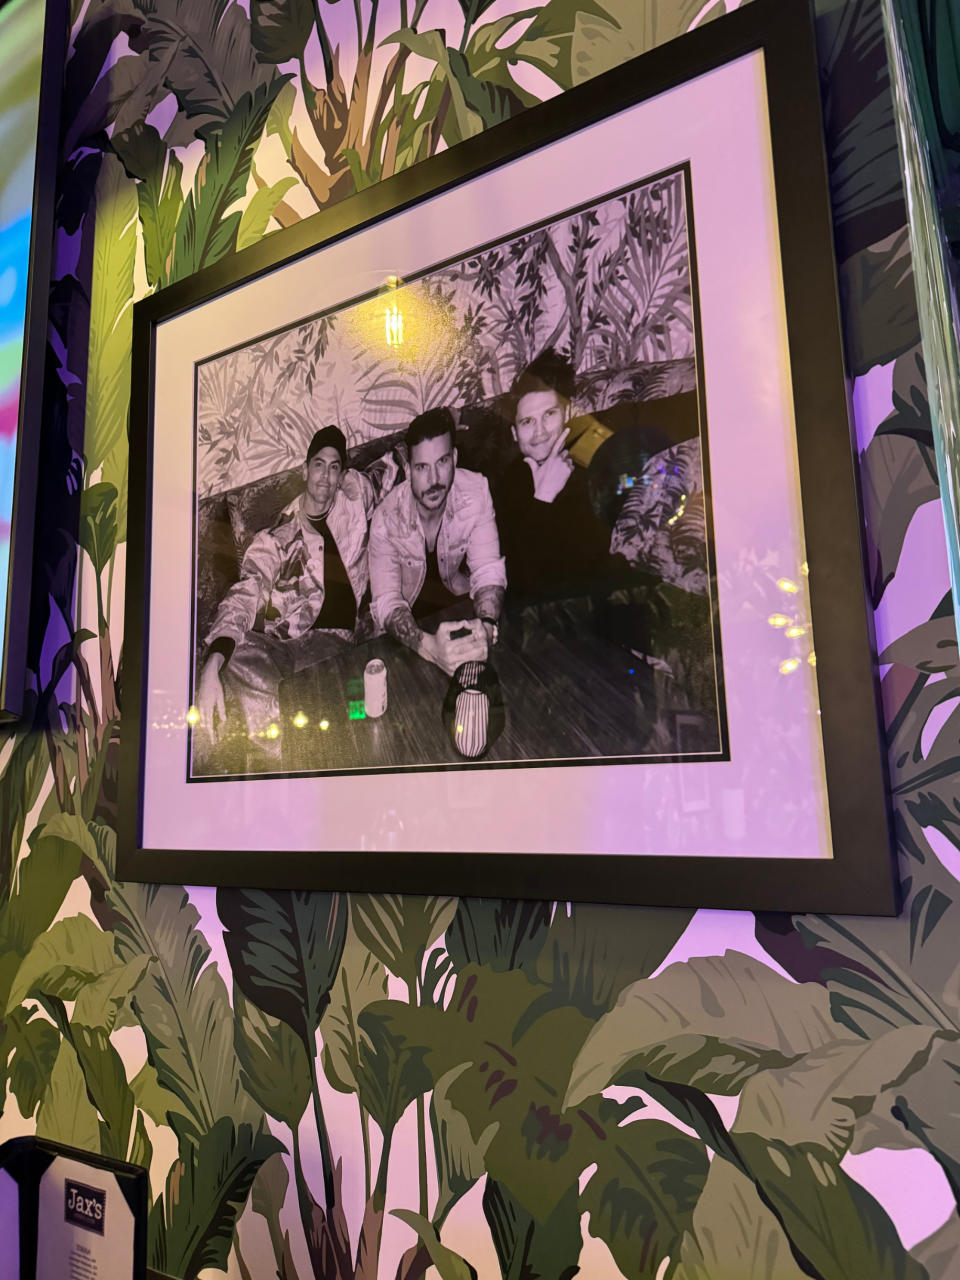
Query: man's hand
(550, 475)
(210, 700)
(448, 649)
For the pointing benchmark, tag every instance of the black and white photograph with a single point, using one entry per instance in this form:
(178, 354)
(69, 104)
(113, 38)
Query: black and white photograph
(463, 520)
(496, 529)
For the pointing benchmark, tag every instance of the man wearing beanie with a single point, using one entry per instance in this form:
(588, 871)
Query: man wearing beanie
(303, 583)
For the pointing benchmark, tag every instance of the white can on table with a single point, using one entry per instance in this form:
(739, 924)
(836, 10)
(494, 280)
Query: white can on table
(374, 688)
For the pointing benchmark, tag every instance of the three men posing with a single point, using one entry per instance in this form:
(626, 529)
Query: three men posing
(301, 595)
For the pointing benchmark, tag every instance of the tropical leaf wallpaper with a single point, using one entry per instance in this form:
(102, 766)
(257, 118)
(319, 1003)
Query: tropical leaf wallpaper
(348, 1088)
(469, 329)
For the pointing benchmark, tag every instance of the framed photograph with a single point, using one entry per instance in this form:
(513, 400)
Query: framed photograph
(32, 48)
(496, 532)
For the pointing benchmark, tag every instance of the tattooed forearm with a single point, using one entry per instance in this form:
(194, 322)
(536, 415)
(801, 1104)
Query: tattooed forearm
(402, 625)
(488, 602)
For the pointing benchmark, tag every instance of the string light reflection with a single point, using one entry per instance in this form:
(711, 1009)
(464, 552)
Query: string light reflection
(680, 510)
(793, 628)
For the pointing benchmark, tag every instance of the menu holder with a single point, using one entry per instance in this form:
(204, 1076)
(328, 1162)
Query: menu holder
(67, 1214)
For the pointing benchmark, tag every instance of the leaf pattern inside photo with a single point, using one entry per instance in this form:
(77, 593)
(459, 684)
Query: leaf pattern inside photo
(608, 286)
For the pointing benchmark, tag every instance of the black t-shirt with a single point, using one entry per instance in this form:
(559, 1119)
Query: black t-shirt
(551, 548)
(434, 594)
(339, 609)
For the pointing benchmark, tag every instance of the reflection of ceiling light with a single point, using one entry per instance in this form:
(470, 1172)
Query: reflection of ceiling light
(788, 585)
(812, 658)
(300, 720)
(404, 324)
(393, 323)
(193, 716)
(794, 632)
(791, 664)
(778, 620)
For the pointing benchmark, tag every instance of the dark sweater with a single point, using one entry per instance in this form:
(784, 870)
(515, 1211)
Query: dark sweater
(551, 548)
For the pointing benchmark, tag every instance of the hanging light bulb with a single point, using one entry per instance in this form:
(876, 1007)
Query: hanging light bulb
(393, 324)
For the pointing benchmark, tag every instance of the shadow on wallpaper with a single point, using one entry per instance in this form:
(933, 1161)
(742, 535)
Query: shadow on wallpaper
(561, 1091)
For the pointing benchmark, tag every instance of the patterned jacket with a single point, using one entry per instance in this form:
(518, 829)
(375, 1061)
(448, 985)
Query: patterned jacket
(468, 532)
(281, 575)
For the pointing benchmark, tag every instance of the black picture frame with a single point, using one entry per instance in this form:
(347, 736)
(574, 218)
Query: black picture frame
(14, 633)
(28, 1159)
(860, 877)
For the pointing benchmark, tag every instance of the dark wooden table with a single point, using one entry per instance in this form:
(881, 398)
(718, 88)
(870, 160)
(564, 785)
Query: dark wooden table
(569, 694)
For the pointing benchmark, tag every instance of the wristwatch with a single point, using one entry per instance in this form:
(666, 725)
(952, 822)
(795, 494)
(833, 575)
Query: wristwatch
(494, 626)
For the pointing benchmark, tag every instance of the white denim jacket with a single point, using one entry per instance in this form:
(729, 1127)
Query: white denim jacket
(281, 575)
(398, 550)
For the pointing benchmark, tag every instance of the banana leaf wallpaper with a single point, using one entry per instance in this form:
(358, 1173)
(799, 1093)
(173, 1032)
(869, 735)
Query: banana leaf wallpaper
(362, 1087)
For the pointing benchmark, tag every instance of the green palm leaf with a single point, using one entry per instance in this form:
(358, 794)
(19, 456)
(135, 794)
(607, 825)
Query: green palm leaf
(527, 1247)
(159, 196)
(460, 1158)
(267, 1199)
(628, 29)
(709, 1022)
(398, 929)
(472, 9)
(499, 932)
(273, 1062)
(840, 1229)
(63, 960)
(281, 28)
(111, 312)
(573, 40)
(160, 201)
(29, 1049)
(43, 877)
(206, 230)
(392, 1071)
(66, 1113)
(734, 1235)
(106, 1083)
(818, 1100)
(642, 1197)
(593, 952)
(259, 211)
(208, 56)
(360, 980)
(20, 783)
(284, 950)
(449, 1265)
(182, 1005)
(192, 1224)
